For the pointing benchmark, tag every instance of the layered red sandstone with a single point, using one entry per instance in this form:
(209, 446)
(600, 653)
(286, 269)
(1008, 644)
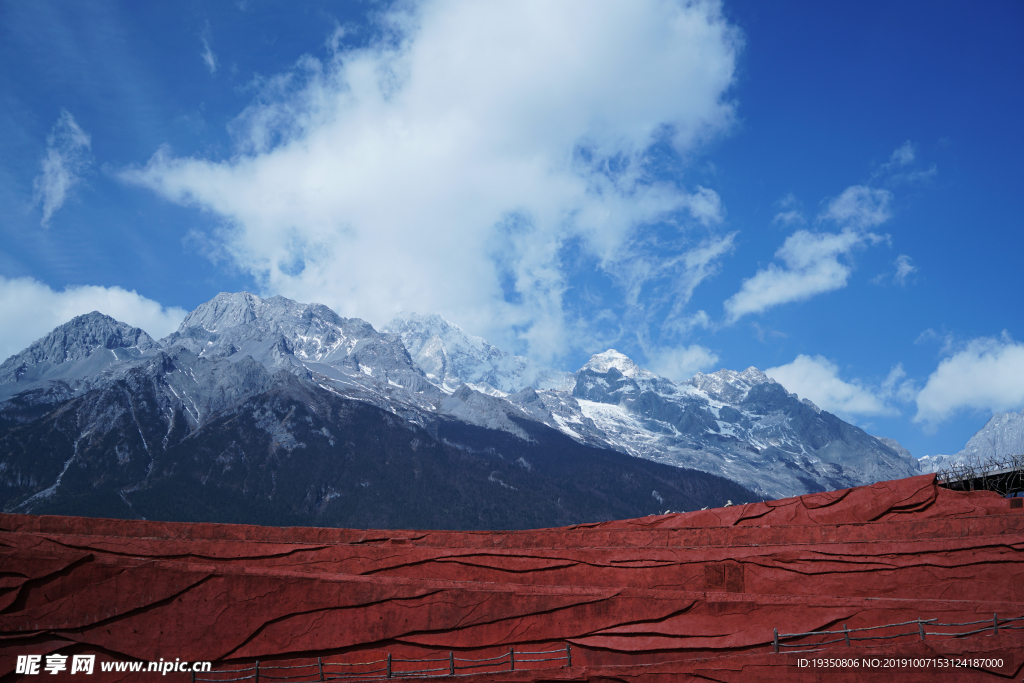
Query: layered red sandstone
(665, 598)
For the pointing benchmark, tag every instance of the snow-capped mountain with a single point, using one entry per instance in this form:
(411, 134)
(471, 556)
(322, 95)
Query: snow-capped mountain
(1001, 436)
(275, 412)
(81, 348)
(449, 357)
(740, 425)
(276, 408)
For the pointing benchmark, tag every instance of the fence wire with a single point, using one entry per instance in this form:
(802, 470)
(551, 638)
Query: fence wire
(388, 671)
(995, 624)
(1003, 475)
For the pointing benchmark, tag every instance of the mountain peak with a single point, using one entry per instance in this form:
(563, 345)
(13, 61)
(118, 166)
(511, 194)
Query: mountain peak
(605, 361)
(77, 340)
(450, 356)
(80, 336)
(417, 330)
(227, 309)
(728, 385)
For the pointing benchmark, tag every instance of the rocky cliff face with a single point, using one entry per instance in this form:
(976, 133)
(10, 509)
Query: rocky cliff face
(76, 350)
(271, 411)
(264, 407)
(449, 357)
(1001, 436)
(739, 425)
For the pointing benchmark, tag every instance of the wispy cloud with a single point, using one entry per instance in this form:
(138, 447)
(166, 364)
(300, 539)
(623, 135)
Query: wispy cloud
(982, 374)
(791, 217)
(31, 309)
(903, 155)
(790, 211)
(811, 259)
(67, 158)
(209, 58)
(763, 334)
(903, 269)
(898, 387)
(859, 207)
(899, 168)
(812, 267)
(383, 178)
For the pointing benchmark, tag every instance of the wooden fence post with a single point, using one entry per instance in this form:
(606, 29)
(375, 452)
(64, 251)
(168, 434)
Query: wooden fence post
(568, 654)
(512, 657)
(451, 663)
(320, 664)
(776, 640)
(846, 632)
(257, 671)
(920, 627)
(389, 665)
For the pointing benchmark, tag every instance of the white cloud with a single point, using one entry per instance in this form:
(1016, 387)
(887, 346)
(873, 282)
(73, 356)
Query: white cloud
(30, 310)
(904, 269)
(812, 267)
(896, 170)
(788, 202)
(445, 168)
(763, 334)
(67, 157)
(209, 58)
(681, 363)
(791, 217)
(790, 213)
(902, 155)
(818, 379)
(859, 207)
(811, 259)
(705, 205)
(702, 261)
(985, 374)
(897, 387)
(657, 281)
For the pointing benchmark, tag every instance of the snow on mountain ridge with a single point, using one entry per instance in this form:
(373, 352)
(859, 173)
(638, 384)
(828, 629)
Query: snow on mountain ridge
(1001, 436)
(729, 386)
(740, 425)
(602, 362)
(83, 346)
(451, 357)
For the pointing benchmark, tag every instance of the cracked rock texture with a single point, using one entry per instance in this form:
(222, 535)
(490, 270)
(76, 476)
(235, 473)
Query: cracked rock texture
(692, 596)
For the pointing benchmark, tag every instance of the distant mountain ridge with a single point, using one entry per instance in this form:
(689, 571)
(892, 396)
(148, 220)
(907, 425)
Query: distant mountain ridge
(270, 411)
(450, 357)
(79, 348)
(740, 425)
(1001, 436)
(261, 407)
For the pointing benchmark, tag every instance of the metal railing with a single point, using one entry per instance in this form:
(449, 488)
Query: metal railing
(332, 671)
(1003, 475)
(994, 625)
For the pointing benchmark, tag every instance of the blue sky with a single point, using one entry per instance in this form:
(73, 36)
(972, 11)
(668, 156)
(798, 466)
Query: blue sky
(826, 191)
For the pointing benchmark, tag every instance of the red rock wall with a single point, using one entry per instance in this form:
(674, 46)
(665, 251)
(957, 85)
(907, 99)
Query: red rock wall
(659, 598)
